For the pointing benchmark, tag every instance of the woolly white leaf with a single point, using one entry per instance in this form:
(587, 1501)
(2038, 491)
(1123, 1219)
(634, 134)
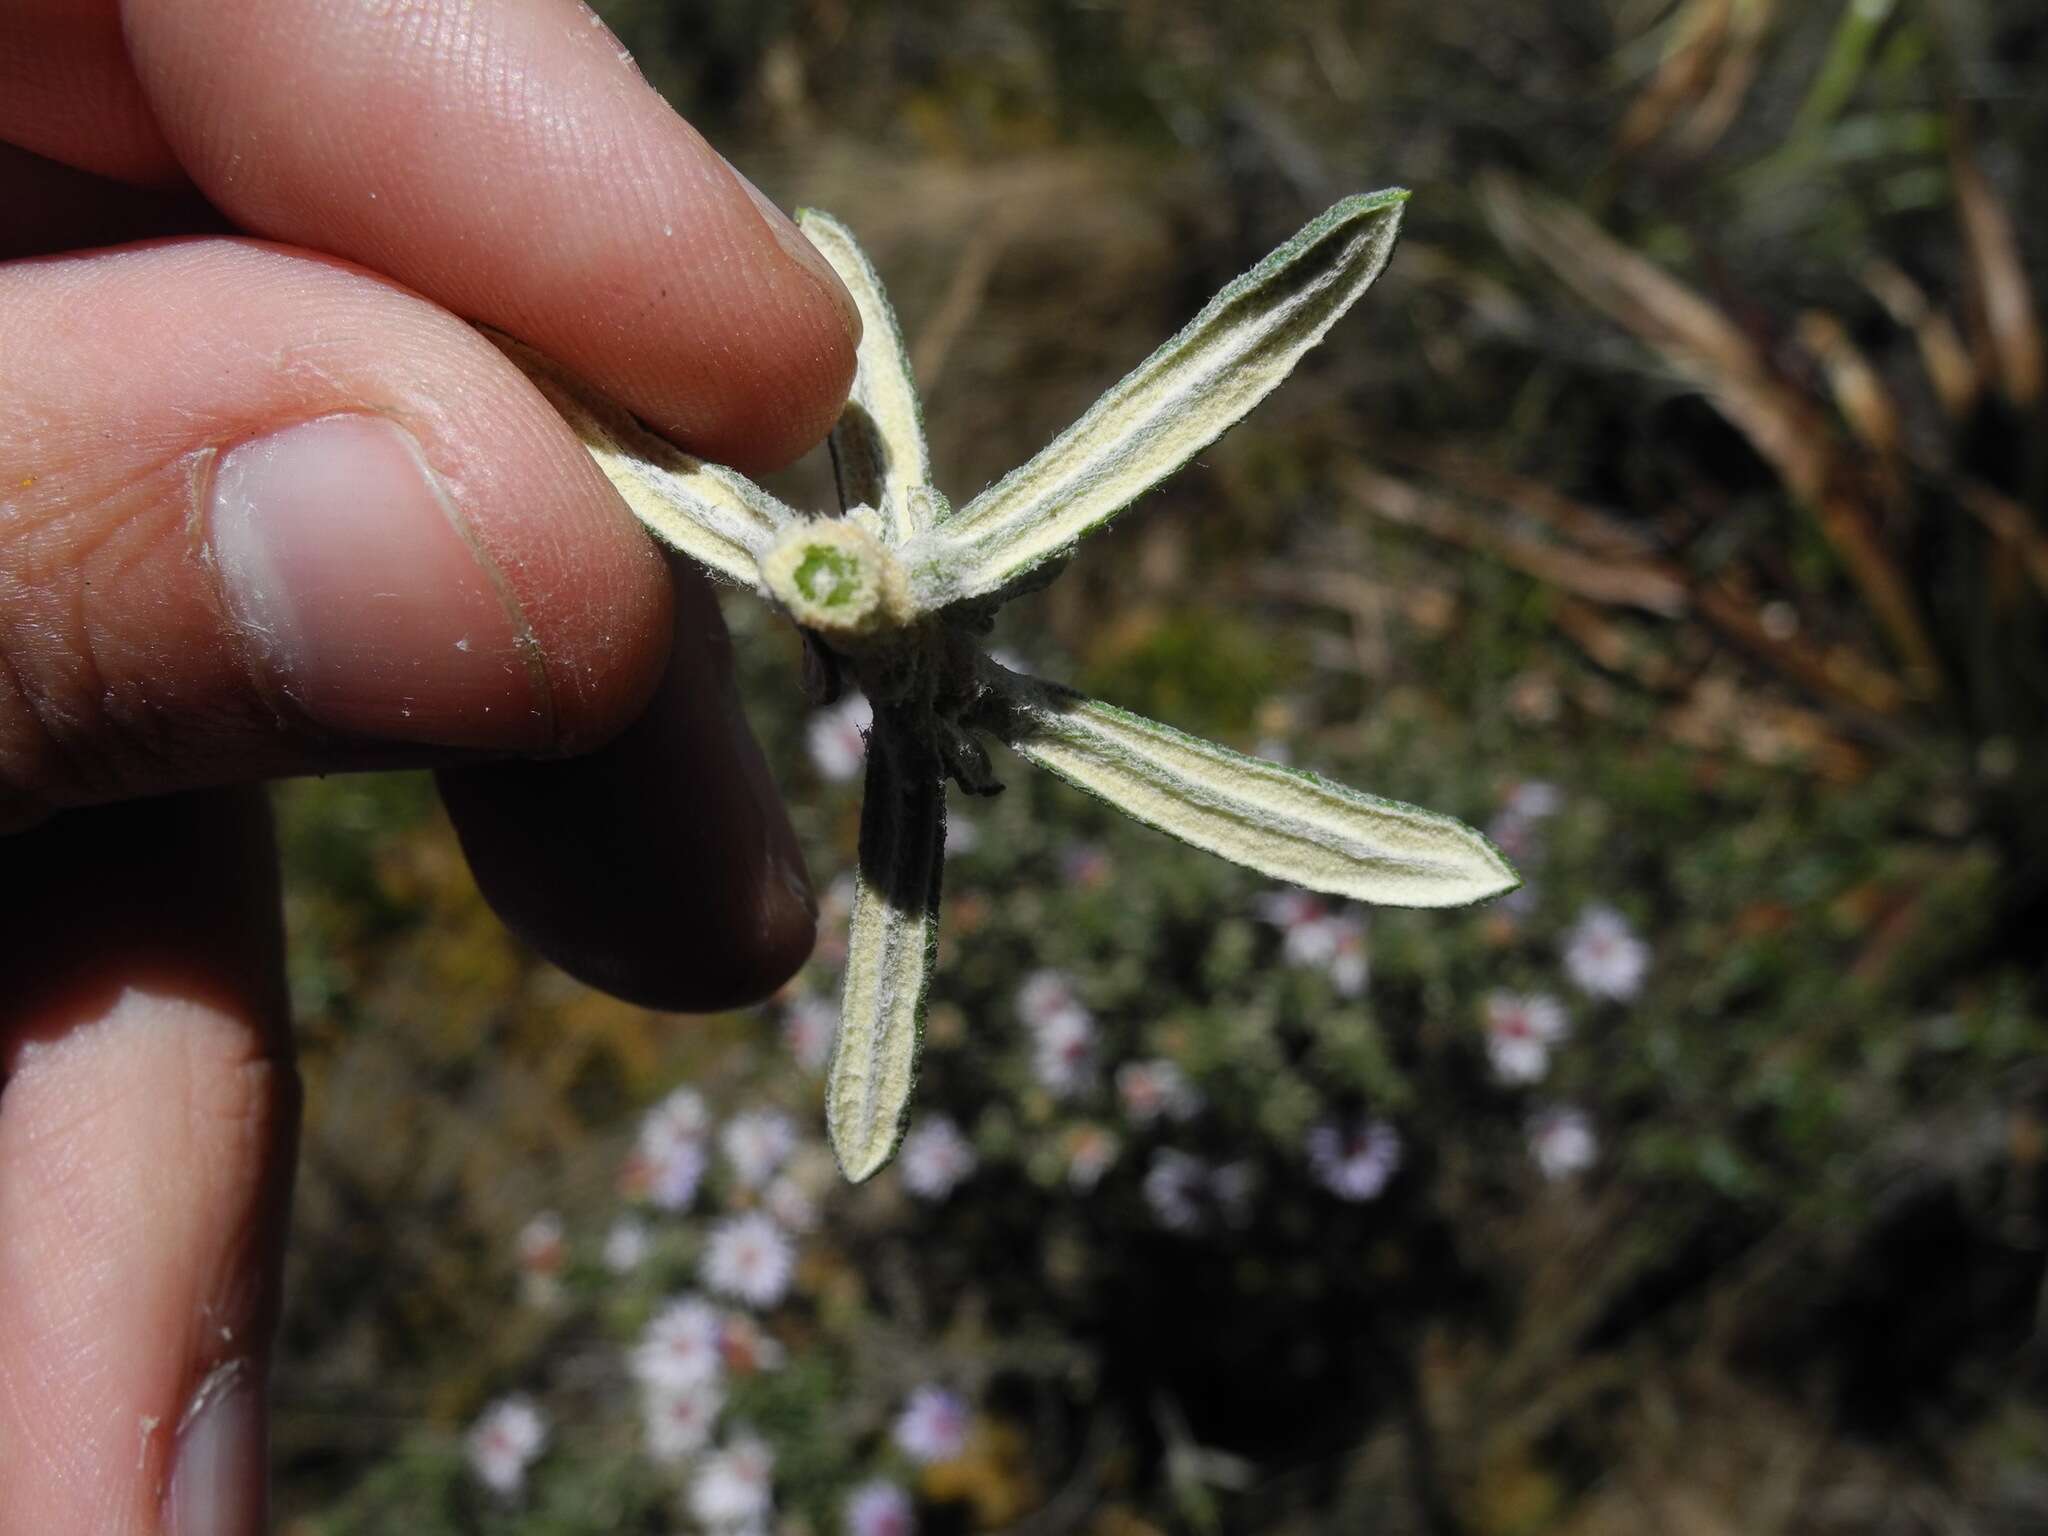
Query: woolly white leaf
(890, 948)
(1166, 410)
(716, 516)
(1291, 825)
(878, 449)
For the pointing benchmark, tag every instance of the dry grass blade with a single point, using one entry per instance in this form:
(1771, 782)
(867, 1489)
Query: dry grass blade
(1651, 586)
(1786, 428)
(2012, 525)
(1942, 353)
(891, 945)
(2003, 306)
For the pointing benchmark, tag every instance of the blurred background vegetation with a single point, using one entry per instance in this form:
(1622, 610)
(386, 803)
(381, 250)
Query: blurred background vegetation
(1677, 505)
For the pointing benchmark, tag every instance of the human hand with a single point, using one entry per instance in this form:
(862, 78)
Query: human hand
(268, 506)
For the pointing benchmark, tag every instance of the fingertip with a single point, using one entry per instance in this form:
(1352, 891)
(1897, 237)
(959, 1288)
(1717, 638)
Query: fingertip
(613, 238)
(661, 868)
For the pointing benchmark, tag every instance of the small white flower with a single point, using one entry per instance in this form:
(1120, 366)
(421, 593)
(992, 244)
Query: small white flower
(750, 1259)
(1534, 799)
(668, 1156)
(809, 1026)
(1188, 1194)
(1350, 964)
(757, 1144)
(1045, 996)
(540, 1246)
(1085, 865)
(786, 1201)
(626, 1245)
(1354, 1161)
(1603, 956)
(1174, 1187)
(1230, 1190)
(1155, 1090)
(936, 1159)
(1562, 1141)
(837, 738)
(1313, 936)
(879, 1509)
(682, 1347)
(734, 1488)
(1300, 917)
(1090, 1151)
(503, 1443)
(1063, 1054)
(678, 1421)
(1520, 1031)
(667, 1176)
(933, 1425)
(682, 1116)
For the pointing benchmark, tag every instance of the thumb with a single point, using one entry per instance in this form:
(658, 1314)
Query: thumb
(262, 513)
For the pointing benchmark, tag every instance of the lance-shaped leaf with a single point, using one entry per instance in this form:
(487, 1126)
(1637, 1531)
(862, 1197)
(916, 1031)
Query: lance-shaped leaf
(1166, 410)
(890, 948)
(716, 516)
(1291, 825)
(878, 450)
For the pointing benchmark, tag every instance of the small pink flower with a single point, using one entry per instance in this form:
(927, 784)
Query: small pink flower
(749, 1258)
(668, 1158)
(1315, 936)
(540, 1246)
(837, 738)
(933, 1425)
(626, 1245)
(1085, 866)
(1063, 1054)
(681, 1347)
(1090, 1151)
(1045, 996)
(1354, 1161)
(936, 1159)
(756, 1144)
(734, 1488)
(1155, 1090)
(1562, 1141)
(879, 1509)
(503, 1443)
(1520, 1031)
(1603, 956)
(678, 1421)
(809, 1026)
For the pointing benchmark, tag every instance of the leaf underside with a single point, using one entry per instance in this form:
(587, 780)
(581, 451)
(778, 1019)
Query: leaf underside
(890, 949)
(1281, 822)
(878, 447)
(715, 515)
(1166, 410)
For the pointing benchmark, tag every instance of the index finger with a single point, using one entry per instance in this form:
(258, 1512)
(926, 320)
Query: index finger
(509, 162)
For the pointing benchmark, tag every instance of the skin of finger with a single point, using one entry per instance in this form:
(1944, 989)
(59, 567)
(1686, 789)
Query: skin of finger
(148, 1108)
(124, 374)
(54, 207)
(653, 868)
(67, 92)
(509, 162)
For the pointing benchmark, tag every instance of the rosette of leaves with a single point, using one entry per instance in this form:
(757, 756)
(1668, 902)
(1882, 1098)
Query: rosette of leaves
(896, 593)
